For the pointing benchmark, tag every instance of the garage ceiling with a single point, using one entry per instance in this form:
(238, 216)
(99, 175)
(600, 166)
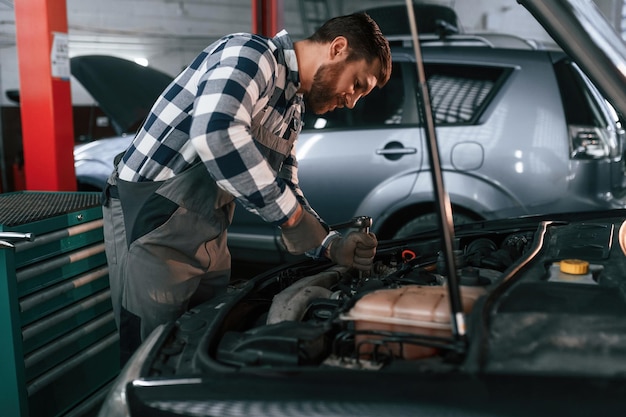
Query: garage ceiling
(168, 33)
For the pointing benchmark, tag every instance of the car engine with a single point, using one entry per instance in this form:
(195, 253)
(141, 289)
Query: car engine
(534, 295)
(342, 317)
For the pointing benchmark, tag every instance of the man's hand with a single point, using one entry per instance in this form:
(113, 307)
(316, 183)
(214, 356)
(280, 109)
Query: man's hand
(356, 250)
(302, 232)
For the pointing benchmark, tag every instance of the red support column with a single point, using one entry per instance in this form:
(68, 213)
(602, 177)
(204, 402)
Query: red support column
(267, 17)
(45, 95)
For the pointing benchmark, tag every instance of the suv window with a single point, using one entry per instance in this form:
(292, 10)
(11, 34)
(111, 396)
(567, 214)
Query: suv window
(458, 94)
(590, 125)
(580, 108)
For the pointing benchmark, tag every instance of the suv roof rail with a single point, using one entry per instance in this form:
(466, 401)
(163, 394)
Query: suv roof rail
(490, 40)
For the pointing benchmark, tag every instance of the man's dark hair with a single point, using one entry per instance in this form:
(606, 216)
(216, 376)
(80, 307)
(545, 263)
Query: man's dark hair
(365, 40)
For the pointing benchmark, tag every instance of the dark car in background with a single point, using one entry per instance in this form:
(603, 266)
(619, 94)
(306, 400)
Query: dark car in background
(521, 131)
(512, 317)
(125, 91)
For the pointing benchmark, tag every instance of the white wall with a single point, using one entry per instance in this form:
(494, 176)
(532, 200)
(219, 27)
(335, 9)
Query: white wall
(170, 32)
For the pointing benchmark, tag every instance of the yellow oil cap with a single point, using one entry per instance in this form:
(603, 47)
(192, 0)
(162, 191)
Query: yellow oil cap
(574, 266)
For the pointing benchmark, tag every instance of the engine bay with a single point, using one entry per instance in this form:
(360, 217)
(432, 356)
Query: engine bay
(535, 299)
(342, 317)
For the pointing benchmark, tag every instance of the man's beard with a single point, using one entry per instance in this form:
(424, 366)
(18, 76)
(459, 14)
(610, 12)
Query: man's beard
(322, 91)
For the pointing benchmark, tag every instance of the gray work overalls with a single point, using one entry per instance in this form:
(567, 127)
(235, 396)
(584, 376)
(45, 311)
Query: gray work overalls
(166, 240)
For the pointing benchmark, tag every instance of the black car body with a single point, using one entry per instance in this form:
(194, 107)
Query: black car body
(516, 317)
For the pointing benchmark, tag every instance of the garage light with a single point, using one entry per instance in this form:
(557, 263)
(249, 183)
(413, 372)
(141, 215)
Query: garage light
(320, 123)
(141, 61)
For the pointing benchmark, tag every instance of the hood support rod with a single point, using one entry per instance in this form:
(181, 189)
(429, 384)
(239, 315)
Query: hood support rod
(442, 199)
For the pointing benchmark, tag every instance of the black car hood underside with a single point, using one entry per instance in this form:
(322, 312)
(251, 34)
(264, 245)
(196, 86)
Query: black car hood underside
(581, 30)
(123, 89)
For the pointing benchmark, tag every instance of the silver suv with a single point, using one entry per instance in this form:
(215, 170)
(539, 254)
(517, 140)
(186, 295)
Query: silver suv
(520, 131)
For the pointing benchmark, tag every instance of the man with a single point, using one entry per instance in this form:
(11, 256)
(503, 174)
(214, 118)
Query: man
(223, 131)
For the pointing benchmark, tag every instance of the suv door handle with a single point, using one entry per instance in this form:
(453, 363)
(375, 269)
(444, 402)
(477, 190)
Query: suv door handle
(395, 151)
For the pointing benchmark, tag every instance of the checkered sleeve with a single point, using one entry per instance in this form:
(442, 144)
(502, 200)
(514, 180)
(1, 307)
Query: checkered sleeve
(289, 173)
(237, 76)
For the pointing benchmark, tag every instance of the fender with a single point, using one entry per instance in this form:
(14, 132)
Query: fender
(390, 194)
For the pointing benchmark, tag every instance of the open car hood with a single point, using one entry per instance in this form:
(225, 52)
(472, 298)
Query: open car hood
(123, 89)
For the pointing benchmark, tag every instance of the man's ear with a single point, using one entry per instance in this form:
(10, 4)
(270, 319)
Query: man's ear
(338, 48)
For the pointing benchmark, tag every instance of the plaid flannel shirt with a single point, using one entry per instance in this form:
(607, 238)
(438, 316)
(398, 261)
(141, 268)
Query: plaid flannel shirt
(206, 115)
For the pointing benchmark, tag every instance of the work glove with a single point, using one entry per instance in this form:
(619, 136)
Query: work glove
(304, 234)
(356, 250)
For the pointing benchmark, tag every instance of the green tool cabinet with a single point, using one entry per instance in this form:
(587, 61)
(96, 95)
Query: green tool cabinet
(59, 346)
